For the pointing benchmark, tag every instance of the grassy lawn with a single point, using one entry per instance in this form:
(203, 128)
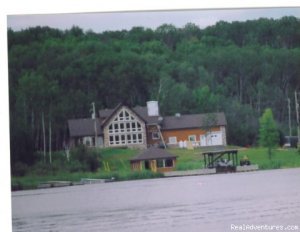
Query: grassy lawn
(119, 166)
(187, 159)
(281, 158)
(117, 159)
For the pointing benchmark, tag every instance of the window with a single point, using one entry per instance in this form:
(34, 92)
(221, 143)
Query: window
(134, 138)
(128, 128)
(111, 139)
(164, 163)
(129, 139)
(133, 126)
(125, 129)
(155, 135)
(122, 127)
(79, 141)
(121, 116)
(160, 163)
(126, 116)
(88, 141)
(116, 126)
(117, 139)
(169, 163)
(123, 141)
(139, 126)
(172, 140)
(140, 138)
(192, 138)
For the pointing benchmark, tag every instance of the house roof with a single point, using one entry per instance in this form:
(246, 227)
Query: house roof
(112, 113)
(193, 121)
(105, 113)
(174, 122)
(84, 127)
(153, 153)
(141, 111)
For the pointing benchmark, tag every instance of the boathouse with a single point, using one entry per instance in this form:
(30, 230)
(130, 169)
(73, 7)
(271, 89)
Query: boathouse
(154, 159)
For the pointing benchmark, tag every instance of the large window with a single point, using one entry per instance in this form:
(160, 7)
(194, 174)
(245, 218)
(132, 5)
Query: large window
(125, 129)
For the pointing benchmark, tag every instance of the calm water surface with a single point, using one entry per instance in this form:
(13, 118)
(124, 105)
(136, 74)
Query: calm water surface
(195, 203)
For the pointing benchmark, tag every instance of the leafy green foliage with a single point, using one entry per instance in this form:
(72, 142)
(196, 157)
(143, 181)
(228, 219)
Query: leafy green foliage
(84, 159)
(268, 132)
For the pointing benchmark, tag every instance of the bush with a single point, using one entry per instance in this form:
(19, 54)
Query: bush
(88, 158)
(76, 166)
(41, 169)
(19, 169)
(59, 156)
(16, 185)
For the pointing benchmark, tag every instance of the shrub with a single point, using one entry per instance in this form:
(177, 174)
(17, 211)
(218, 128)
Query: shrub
(92, 161)
(19, 169)
(41, 169)
(76, 166)
(16, 185)
(88, 158)
(59, 156)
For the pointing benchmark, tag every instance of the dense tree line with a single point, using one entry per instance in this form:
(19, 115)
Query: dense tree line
(240, 68)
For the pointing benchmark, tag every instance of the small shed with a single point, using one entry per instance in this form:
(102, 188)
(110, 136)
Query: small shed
(154, 159)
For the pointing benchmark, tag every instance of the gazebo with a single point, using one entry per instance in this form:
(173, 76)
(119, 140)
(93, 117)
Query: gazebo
(215, 159)
(154, 159)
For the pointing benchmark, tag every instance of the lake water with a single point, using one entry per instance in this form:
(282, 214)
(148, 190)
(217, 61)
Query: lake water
(194, 203)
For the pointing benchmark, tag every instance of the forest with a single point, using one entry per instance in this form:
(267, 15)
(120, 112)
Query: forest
(240, 68)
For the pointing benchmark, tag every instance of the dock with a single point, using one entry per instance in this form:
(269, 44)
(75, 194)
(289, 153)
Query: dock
(55, 184)
(204, 171)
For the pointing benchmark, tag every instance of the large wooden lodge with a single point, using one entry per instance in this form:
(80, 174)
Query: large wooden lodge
(142, 127)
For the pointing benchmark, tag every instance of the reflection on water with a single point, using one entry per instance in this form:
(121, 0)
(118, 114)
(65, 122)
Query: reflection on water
(197, 203)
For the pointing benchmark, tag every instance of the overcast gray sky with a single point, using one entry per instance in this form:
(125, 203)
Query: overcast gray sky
(99, 22)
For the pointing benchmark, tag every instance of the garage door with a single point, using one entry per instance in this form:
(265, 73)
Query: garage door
(216, 138)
